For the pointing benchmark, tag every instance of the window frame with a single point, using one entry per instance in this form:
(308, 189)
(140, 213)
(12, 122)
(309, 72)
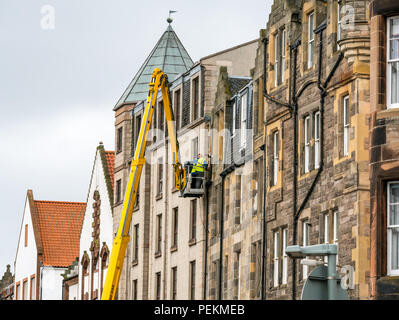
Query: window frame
(160, 174)
(305, 242)
(192, 279)
(276, 58)
(118, 191)
(243, 118)
(136, 243)
(175, 227)
(238, 255)
(284, 279)
(389, 63)
(173, 283)
(283, 41)
(193, 220)
(119, 139)
(158, 249)
(390, 271)
(177, 105)
(275, 156)
(307, 139)
(339, 23)
(25, 288)
(26, 235)
(158, 285)
(345, 124)
(32, 285)
(276, 273)
(311, 40)
(195, 110)
(317, 139)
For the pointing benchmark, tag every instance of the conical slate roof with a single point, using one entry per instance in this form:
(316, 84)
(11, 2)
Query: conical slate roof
(169, 55)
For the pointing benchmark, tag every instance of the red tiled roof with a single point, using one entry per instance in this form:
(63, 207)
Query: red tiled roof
(59, 225)
(110, 157)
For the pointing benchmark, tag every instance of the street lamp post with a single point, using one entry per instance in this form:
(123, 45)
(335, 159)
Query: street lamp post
(334, 291)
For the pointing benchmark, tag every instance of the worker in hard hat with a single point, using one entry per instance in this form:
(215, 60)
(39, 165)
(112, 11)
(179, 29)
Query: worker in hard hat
(199, 168)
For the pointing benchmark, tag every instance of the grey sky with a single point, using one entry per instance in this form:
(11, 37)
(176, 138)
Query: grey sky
(58, 87)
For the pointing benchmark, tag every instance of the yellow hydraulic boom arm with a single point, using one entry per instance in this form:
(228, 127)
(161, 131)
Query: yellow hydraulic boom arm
(158, 81)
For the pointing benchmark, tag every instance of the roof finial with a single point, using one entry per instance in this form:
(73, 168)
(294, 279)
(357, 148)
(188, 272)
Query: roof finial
(170, 20)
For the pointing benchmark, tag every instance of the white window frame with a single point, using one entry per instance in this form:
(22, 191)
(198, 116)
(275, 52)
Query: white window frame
(305, 242)
(242, 196)
(275, 157)
(346, 123)
(33, 288)
(307, 144)
(336, 229)
(233, 127)
(326, 218)
(391, 105)
(239, 274)
(283, 40)
(317, 140)
(310, 40)
(243, 127)
(276, 64)
(339, 22)
(390, 271)
(285, 256)
(276, 259)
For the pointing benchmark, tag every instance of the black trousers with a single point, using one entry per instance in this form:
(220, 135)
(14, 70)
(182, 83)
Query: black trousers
(197, 182)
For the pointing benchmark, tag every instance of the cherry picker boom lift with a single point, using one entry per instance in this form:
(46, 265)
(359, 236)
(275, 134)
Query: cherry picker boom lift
(158, 81)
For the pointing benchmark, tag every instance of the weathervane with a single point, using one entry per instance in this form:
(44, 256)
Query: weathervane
(169, 20)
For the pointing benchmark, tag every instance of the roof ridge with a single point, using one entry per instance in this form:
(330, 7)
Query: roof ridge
(56, 201)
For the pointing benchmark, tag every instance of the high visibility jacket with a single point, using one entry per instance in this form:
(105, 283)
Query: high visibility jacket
(199, 165)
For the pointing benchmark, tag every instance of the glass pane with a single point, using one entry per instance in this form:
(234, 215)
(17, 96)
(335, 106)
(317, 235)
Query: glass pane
(394, 28)
(395, 249)
(394, 215)
(394, 49)
(346, 111)
(394, 82)
(311, 27)
(394, 196)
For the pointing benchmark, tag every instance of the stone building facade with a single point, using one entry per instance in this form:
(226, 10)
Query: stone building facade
(384, 149)
(165, 258)
(311, 100)
(234, 234)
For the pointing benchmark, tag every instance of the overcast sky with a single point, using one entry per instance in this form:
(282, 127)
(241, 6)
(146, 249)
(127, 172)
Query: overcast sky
(58, 86)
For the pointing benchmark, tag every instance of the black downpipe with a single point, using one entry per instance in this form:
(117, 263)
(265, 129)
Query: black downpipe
(221, 241)
(293, 109)
(294, 47)
(221, 225)
(264, 229)
(207, 186)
